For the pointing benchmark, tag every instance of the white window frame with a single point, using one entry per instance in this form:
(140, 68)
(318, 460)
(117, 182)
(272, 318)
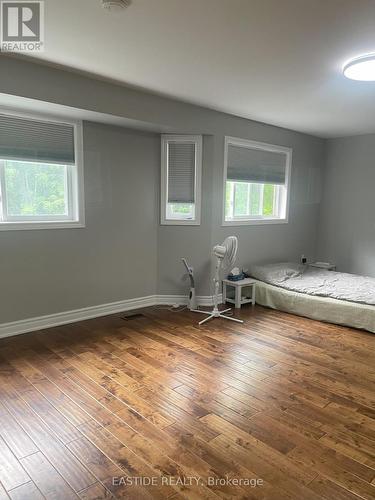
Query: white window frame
(165, 140)
(74, 179)
(257, 220)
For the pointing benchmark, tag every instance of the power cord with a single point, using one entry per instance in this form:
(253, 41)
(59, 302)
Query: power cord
(175, 308)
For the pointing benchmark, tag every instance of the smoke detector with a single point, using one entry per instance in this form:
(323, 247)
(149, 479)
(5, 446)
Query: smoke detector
(115, 4)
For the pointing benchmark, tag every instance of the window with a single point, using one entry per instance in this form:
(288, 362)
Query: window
(181, 172)
(41, 181)
(256, 182)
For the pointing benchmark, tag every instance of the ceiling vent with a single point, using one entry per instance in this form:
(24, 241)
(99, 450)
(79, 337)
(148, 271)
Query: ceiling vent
(115, 4)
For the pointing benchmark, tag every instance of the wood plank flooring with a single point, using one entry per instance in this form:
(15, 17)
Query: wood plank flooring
(280, 407)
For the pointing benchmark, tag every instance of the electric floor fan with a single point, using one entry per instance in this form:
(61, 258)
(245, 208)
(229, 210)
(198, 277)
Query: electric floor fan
(225, 257)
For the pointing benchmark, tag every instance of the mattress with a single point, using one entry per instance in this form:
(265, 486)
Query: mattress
(336, 311)
(317, 282)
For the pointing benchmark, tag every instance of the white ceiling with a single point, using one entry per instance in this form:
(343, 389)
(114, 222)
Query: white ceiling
(277, 61)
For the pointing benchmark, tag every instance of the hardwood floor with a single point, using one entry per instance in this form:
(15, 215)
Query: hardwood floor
(99, 408)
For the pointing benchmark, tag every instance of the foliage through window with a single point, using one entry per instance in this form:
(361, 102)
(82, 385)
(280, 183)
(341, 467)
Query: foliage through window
(182, 211)
(35, 190)
(245, 199)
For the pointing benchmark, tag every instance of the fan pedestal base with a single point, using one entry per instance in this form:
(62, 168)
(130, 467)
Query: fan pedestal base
(215, 313)
(221, 251)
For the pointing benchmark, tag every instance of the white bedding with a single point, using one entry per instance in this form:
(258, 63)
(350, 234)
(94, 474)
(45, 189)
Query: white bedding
(326, 309)
(313, 281)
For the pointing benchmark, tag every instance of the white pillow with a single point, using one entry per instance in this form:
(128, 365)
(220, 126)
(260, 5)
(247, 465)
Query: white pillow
(276, 273)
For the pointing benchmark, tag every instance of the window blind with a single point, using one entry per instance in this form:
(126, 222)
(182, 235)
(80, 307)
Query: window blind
(181, 172)
(256, 165)
(33, 140)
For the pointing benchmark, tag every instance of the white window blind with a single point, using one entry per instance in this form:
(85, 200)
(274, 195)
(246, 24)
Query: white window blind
(255, 165)
(26, 139)
(181, 172)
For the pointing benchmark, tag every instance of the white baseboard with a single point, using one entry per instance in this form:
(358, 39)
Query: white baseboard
(64, 318)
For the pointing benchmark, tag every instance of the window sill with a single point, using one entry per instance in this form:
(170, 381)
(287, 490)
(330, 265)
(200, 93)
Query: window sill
(254, 222)
(180, 222)
(26, 226)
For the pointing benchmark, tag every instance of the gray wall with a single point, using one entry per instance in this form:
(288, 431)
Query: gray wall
(277, 242)
(114, 257)
(163, 265)
(262, 243)
(192, 242)
(346, 224)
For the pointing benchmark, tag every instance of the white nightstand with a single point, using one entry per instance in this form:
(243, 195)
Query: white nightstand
(244, 292)
(324, 265)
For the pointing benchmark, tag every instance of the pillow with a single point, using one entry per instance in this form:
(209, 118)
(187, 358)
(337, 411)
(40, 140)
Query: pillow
(276, 273)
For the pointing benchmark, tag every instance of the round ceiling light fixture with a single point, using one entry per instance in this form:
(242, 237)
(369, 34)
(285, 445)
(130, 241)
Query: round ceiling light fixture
(361, 68)
(115, 4)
